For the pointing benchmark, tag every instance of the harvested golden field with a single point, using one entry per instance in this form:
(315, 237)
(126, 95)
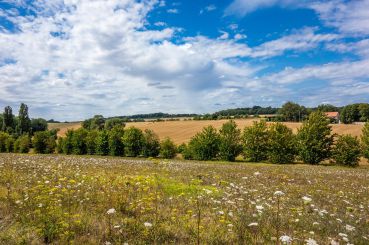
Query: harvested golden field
(64, 127)
(57, 199)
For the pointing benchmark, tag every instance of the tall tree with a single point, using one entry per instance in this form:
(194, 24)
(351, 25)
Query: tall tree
(8, 119)
(24, 122)
(230, 141)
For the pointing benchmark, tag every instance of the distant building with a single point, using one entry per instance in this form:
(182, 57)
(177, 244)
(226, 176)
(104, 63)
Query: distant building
(334, 116)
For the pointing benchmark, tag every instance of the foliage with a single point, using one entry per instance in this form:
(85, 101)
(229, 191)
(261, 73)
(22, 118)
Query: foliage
(133, 140)
(8, 120)
(38, 124)
(293, 112)
(151, 146)
(113, 122)
(168, 149)
(43, 142)
(116, 146)
(347, 151)
(68, 142)
(355, 113)
(205, 144)
(255, 142)
(3, 139)
(24, 122)
(365, 140)
(22, 144)
(230, 141)
(327, 108)
(282, 144)
(314, 139)
(9, 144)
(97, 122)
(79, 141)
(102, 143)
(91, 141)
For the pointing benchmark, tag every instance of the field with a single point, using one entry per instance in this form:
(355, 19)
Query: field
(182, 131)
(58, 199)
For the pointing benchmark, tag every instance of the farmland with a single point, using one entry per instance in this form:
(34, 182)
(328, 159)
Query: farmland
(59, 199)
(182, 131)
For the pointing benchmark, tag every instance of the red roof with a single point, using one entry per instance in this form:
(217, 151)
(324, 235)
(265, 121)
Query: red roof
(332, 114)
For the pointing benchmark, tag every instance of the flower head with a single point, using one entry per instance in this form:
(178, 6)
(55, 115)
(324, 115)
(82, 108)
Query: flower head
(111, 211)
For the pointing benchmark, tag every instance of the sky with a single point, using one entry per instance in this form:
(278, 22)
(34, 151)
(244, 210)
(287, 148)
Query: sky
(72, 59)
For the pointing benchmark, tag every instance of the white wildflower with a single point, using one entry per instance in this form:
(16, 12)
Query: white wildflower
(306, 199)
(278, 193)
(311, 242)
(257, 173)
(111, 211)
(350, 228)
(253, 224)
(147, 224)
(259, 207)
(285, 239)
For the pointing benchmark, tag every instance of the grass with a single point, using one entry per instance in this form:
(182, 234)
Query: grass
(58, 199)
(182, 131)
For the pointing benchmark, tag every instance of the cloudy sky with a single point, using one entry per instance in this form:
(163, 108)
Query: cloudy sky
(71, 59)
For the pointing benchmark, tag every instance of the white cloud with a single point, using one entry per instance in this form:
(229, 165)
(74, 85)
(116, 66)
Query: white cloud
(225, 35)
(239, 36)
(173, 11)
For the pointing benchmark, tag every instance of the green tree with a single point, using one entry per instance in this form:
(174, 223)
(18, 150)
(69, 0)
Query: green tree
(91, 141)
(293, 112)
(205, 144)
(68, 142)
(22, 144)
(230, 141)
(3, 139)
(8, 120)
(314, 139)
(113, 122)
(24, 122)
(365, 140)
(364, 112)
(168, 149)
(116, 146)
(60, 145)
(38, 124)
(79, 141)
(102, 143)
(44, 142)
(350, 114)
(133, 140)
(347, 151)
(151, 146)
(9, 144)
(327, 108)
(97, 122)
(282, 144)
(255, 142)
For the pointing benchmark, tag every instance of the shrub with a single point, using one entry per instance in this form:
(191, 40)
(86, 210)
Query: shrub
(43, 142)
(230, 145)
(347, 151)
(91, 141)
(116, 147)
(133, 142)
(9, 144)
(59, 145)
(102, 143)
(114, 122)
(151, 146)
(282, 144)
(79, 141)
(68, 142)
(314, 139)
(168, 149)
(255, 142)
(3, 138)
(204, 145)
(365, 140)
(22, 144)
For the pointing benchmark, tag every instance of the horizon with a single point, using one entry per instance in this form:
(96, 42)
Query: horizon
(139, 57)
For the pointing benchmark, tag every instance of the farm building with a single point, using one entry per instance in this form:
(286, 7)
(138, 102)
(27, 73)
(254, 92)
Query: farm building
(334, 116)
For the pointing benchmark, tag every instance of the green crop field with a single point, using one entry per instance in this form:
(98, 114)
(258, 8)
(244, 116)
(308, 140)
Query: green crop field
(56, 199)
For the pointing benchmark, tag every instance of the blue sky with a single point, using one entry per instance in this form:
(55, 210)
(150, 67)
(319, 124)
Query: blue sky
(71, 59)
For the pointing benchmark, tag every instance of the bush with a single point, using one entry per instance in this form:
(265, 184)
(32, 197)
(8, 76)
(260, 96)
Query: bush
(204, 145)
(22, 144)
(114, 122)
(347, 151)
(151, 146)
(255, 142)
(116, 147)
(43, 142)
(314, 139)
(91, 141)
(133, 141)
(3, 138)
(79, 141)
(68, 142)
(102, 143)
(230, 145)
(9, 144)
(59, 145)
(168, 149)
(365, 140)
(282, 144)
